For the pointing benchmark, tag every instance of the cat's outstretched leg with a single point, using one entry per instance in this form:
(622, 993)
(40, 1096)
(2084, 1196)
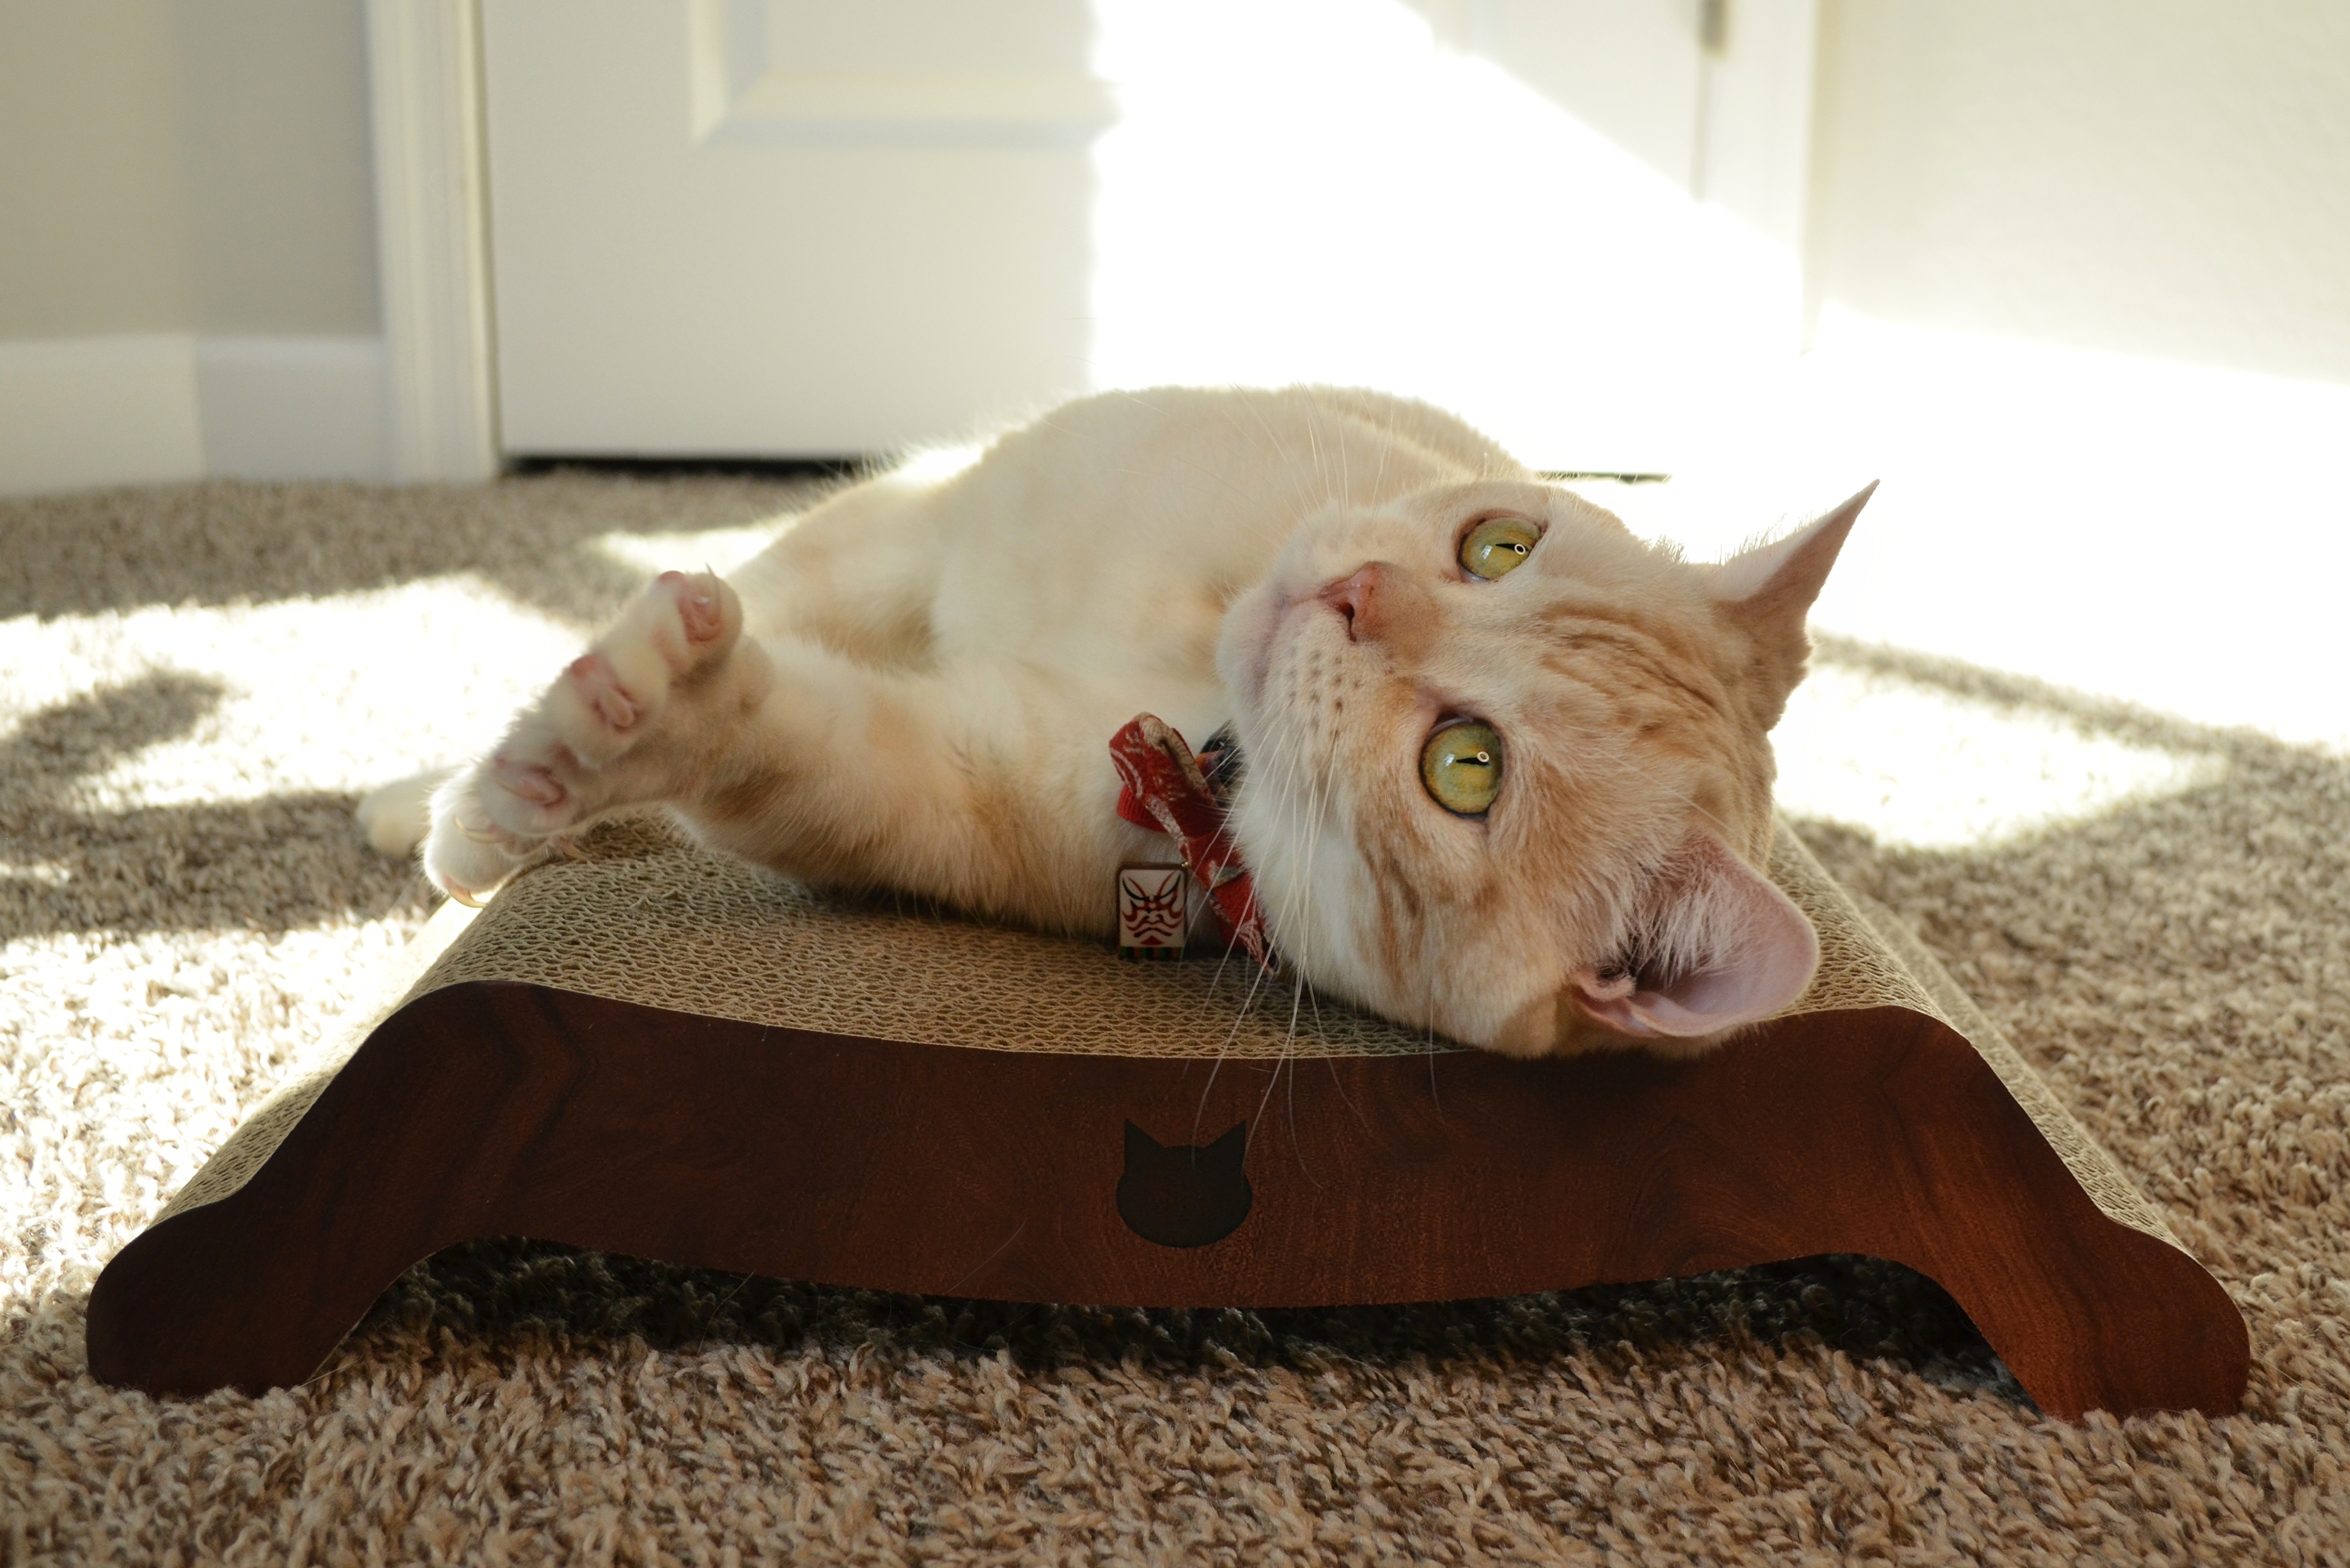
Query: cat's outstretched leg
(631, 721)
(987, 787)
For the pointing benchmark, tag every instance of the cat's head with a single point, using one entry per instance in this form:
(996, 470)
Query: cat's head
(1508, 772)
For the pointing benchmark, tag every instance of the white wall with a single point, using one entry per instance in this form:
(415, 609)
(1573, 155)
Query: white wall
(2078, 276)
(187, 275)
(185, 232)
(2168, 179)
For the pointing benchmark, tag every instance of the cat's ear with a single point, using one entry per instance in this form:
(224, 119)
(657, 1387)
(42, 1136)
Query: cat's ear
(1728, 949)
(1769, 590)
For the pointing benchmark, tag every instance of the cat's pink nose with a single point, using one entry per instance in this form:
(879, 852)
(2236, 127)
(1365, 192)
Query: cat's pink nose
(1358, 598)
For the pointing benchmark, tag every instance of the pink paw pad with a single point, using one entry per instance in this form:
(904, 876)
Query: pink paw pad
(603, 691)
(536, 784)
(697, 606)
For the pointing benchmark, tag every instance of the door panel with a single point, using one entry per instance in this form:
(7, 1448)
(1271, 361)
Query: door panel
(796, 227)
(896, 72)
(782, 275)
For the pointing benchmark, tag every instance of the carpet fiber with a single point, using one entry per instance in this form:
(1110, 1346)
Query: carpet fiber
(195, 683)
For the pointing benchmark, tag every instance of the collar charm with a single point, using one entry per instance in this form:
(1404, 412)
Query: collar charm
(1163, 786)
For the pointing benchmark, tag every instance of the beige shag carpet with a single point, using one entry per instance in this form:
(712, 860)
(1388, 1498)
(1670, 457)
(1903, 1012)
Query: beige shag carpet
(196, 682)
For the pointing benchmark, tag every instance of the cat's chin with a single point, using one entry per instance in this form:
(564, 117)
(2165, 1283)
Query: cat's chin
(1552, 1026)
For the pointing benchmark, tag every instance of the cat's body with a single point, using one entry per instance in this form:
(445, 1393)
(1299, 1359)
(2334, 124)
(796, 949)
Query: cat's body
(915, 686)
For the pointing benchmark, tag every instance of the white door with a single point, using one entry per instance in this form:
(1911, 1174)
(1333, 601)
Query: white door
(788, 227)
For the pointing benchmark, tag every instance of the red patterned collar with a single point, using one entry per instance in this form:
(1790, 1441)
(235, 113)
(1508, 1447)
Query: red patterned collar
(1163, 786)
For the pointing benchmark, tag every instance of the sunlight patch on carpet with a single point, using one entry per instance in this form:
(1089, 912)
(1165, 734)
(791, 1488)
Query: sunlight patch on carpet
(719, 550)
(341, 692)
(1921, 768)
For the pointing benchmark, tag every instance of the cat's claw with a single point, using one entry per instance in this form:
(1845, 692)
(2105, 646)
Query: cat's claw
(468, 853)
(598, 687)
(699, 611)
(534, 783)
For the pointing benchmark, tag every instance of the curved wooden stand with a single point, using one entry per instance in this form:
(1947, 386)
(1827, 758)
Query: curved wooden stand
(486, 1108)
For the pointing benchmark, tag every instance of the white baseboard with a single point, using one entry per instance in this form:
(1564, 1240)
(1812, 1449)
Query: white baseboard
(293, 408)
(157, 407)
(98, 410)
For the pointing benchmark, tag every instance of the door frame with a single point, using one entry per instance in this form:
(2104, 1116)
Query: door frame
(432, 268)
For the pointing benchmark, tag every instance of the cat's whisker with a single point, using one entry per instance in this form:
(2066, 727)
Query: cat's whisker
(1434, 1098)
(1338, 1084)
(1298, 1139)
(1337, 450)
(1240, 1017)
(1231, 940)
(1319, 795)
(1302, 499)
(1199, 1113)
(1001, 1247)
(1280, 764)
(1274, 1082)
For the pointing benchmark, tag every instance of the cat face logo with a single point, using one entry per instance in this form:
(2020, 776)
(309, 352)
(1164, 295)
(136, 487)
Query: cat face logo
(1184, 1196)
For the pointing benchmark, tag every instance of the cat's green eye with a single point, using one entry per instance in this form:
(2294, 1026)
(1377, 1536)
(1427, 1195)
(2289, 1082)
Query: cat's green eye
(1497, 546)
(1461, 766)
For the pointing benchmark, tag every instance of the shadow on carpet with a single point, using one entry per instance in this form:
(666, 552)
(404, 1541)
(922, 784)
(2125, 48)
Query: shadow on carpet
(512, 1296)
(278, 863)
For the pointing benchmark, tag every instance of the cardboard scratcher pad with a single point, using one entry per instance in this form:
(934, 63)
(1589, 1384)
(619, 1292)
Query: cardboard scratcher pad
(649, 1050)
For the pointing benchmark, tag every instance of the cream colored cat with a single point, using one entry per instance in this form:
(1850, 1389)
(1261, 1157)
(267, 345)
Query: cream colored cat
(1507, 774)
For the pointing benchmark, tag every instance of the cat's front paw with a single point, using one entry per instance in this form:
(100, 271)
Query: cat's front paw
(560, 764)
(471, 849)
(681, 627)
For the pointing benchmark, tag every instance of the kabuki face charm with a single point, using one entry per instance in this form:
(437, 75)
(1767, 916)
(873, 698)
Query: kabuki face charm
(1163, 786)
(1152, 911)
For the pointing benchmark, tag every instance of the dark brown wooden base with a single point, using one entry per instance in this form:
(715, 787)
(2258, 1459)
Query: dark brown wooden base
(500, 1108)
